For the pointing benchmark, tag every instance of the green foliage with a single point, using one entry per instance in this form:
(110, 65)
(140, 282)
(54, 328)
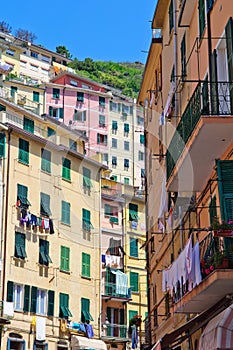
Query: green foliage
(125, 77)
(62, 50)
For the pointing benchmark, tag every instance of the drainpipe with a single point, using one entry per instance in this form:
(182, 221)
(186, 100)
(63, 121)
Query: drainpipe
(6, 215)
(209, 46)
(175, 58)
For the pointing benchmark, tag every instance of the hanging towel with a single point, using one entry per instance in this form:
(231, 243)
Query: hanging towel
(8, 308)
(46, 224)
(51, 229)
(40, 328)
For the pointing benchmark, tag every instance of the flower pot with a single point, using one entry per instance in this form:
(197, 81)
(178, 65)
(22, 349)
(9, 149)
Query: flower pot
(223, 233)
(224, 264)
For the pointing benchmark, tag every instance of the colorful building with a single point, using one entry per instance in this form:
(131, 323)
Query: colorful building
(189, 165)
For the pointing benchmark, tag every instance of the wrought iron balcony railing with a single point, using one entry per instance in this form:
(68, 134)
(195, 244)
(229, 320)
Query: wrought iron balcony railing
(208, 99)
(113, 290)
(116, 330)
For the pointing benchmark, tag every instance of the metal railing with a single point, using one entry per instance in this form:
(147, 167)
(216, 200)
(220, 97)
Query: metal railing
(112, 289)
(208, 99)
(116, 330)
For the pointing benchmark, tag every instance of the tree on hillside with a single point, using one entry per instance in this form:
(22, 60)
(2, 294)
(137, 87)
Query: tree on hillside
(62, 50)
(25, 35)
(5, 27)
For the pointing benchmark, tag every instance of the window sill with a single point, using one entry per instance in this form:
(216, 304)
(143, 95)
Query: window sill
(66, 272)
(23, 163)
(65, 224)
(86, 278)
(66, 180)
(19, 259)
(46, 172)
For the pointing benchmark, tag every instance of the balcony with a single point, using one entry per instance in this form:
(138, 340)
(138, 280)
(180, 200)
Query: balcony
(115, 332)
(112, 192)
(116, 292)
(208, 117)
(216, 268)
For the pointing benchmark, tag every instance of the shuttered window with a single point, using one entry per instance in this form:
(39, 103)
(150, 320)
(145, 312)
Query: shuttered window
(28, 125)
(44, 258)
(133, 212)
(85, 310)
(56, 93)
(65, 213)
(50, 311)
(2, 145)
(64, 306)
(86, 220)
(183, 57)
(134, 281)
(10, 291)
(26, 303)
(86, 265)
(201, 13)
(65, 259)
(134, 247)
(225, 185)
(80, 96)
(87, 178)
(20, 251)
(22, 196)
(45, 204)
(66, 169)
(36, 96)
(46, 160)
(171, 18)
(23, 155)
(33, 299)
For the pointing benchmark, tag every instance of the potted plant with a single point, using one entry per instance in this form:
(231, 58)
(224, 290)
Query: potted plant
(222, 229)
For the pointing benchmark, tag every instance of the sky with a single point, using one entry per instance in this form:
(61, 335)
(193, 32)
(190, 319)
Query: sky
(105, 30)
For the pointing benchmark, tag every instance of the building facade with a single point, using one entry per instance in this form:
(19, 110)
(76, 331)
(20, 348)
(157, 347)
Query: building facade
(186, 90)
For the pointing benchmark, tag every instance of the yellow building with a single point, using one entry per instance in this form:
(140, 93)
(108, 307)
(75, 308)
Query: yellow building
(50, 234)
(186, 90)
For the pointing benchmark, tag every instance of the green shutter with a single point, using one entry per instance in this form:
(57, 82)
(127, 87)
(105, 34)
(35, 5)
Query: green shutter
(225, 185)
(46, 160)
(98, 138)
(61, 113)
(50, 111)
(56, 93)
(107, 210)
(26, 304)
(64, 305)
(114, 125)
(23, 155)
(86, 220)
(132, 314)
(2, 145)
(28, 125)
(80, 96)
(86, 268)
(50, 311)
(171, 20)
(85, 310)
(22, 194)
(36, 96)
(87, 178)
(33, 299)
(126, 127)
(212, 210)
(134, 281)
(44, 258)
(229, 42)
(66, 169)
(50, 132)
(10, 291)
(134, 247)
(133, 212)
(142, 139)
(20, 245)
(45, 204)
(201, 9)
(65, 258)
(65, 213)
(183, 57)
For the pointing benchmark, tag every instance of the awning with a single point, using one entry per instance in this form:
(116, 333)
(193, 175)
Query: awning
(78, 342)
(218, 333)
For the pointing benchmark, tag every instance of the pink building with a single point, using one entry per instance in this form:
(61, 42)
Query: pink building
(82, 104)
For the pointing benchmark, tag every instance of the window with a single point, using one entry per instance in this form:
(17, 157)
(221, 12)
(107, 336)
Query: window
(102, 139)
(73, 145)
(14, 90)
(34, 54)
(142, 173)
(126, 164)
(22, 196)
(134, 281)
(20, 251)
(66, 169)
(80, 96)
(225, 185)
(45, 204)
(140, 155)
(114, 143)
(87, 178)
(41, 302)
(132, 314)
(142, 139)
(201, 13)
(183, 58)
(85, 310)
(126, 145)
(36, 96)
(134, 247)
(50, 132)
(126, 180)
(171, 19)
(44, 258)
(126, 129)
(86, 220)
(65, 213)
(133, 212)
(65, 259)
(86, 265)
(110, 210)
(101, 101)
(140, 120)
(28, 125)
(102, 120)
(45, 58)
(80, 116)
(114, 161)
(56, 112)
(18, 297)
(10, 52)
(64, 306)
(114, 127)
(113, 177)
(113, 106)
(2, 144)
(45, 160)
(35, 68)
(56, 93)
(23, 155)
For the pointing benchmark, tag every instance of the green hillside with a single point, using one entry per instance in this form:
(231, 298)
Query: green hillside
(125, 76)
